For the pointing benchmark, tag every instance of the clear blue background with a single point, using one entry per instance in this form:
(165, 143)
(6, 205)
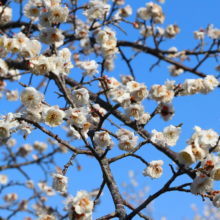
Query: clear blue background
(197, 110)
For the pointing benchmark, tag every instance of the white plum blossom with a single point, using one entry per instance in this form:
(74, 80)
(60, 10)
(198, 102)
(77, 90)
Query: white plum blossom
(210, 82)
(46, 217)
(59, 182)
(186, 156)
(171, 31)
(126, 11)
(58, 14)
(215, 173)
(82, 32)
(6, 126)
(77, 116)
(128, 142)
(53, 116)
(200, 184)
(144, 118)
(171, 134)
(24, 150)
(142, 13)
(167, 111)
(208, 138)
(199, 34)
(216, 200)
(30, 184)
(90, 68)
(175, 71)
(12, 95)
(153, 9)
(103, 139)
(154, 169)
(40, 146)
(136, 111)
(3, 179)
(158, 138)
(80, 206)
(81, 97)
(31, 98)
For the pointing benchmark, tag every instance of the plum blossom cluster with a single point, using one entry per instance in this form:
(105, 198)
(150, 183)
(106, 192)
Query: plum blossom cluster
(97, 10)
(108, 42)
(80, 206)
(127, 140)
(168, 137)
(154, 12)
(46, 63)
(20, 44)
(198, 146)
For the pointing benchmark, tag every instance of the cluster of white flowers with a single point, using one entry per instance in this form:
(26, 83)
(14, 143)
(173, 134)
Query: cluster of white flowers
(20, 44)
(198, 146)
(162, 93)
(80, 206)
(168, 137)
(108, 42)
(97, 10)
(127, 140)
(204, 86)
(58, 64)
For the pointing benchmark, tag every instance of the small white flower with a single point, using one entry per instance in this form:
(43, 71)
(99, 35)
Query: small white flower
(53, 116)
(30, 184)
(199, 34)
(126, 11)
(12, 95)
(3, 179)
(144, 118)
(58, 14)
(157, 92)
(128, 142)
(158, 138)
(215, 173)
(46, 217)
(201, 184)
(216, 200)
(25, 149)
(171, 134)
(175, 71)
(81, 97)
(82, 203)
(40, 146)
(90, 68)
(210, 82)
(208, 138)
(154, 170)
(186, 156)
(59, 182)
(31, 98)
(153, 9)
(136, 111)
(167, 111)
(82, 32)
(77, 116)
(171, 31)
(103, 139)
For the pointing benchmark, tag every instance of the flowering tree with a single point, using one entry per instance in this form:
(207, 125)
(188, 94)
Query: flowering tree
(43, 43)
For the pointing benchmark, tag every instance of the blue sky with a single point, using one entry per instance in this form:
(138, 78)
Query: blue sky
(194, 110)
